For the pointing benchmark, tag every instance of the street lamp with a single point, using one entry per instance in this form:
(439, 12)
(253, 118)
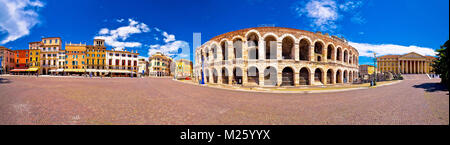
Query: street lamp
(376, 67)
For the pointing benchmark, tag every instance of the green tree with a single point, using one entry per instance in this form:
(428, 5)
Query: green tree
(440, 65)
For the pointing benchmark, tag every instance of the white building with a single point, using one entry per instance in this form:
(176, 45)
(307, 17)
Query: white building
(122, 63)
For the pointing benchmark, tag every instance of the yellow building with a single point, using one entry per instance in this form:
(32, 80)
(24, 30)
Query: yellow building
(34, 57)
(411, 63)
(366, 70)
(95, 57)
(75, 58)
(50, 47)
(159, 65)
(183, 68)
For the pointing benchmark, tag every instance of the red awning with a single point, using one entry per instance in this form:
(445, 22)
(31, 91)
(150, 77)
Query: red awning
(19, 70)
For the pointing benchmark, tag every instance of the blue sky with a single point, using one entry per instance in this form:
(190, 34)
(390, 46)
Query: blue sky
(382, 26)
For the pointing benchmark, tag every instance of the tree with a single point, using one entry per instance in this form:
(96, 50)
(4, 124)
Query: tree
(440, 65)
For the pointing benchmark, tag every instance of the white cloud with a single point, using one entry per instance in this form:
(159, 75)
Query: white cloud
(172, 48)
(17, 17)
(367, 50)
(168, 38)
(116, 38)
(323, 13)
(350, 5)
(120, 20)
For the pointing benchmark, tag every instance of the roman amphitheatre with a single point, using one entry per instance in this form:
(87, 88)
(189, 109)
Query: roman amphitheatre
(276, 57)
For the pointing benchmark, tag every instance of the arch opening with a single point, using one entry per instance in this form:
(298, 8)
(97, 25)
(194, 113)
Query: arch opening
(224, 48)
(304, 49)
(224, 76)
(318, 51)
(237, 76)
(287, 48)
(330, 52)
(252, 42)
(304, 77)
(318, 77)
(287, 77)
(253, 76)
(270, 47)
(330, 76)
(237, 48)
(270, 76)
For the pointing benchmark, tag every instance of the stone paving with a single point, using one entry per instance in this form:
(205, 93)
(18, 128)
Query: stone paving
(66, 100)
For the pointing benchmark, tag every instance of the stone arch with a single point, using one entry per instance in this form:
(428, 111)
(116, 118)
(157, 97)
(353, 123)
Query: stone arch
(287, 76)
(304, 47)
(237, 46)
(330, 76)
(288, 47)
(270, 46)
(304, 76)
(330, 52)
(339, 54)
(270, 76)
(207, 51)
(237, 75)
(339, 76)
(224, 47)
(253, 75)
(350, 75)
(318, 76)
(345, 76)
(207, 76)
(318, 50)
(350, 57)
(225, 75)
(214, 49)
(345, 56)
(215, 76)
(253, 45)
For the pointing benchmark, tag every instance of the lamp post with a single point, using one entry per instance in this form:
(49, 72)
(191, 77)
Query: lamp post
(376, 67)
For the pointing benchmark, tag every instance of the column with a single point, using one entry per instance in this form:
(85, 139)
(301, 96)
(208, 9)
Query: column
(296, 51)
(406, 66)
(279, 77)
(261, 78)
(296, 78)
(244, 76)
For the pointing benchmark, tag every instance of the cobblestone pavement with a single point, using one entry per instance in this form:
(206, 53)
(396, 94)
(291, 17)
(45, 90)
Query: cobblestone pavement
(62, 100)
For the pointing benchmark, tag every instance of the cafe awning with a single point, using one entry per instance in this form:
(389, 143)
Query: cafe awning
(74, 70)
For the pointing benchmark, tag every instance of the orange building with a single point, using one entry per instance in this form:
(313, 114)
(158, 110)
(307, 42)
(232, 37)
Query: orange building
(21, 59)
(75, 59)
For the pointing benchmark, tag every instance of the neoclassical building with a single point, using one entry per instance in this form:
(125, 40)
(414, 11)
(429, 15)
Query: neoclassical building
(275, 56)
(410, 63)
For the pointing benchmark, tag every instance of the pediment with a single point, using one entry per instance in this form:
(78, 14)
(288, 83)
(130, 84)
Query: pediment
(412, 55)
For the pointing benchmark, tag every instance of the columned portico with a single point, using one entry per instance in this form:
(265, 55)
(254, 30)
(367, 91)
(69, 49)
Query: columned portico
(411, 63)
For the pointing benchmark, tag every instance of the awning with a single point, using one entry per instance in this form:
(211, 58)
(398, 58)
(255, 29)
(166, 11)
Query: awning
(96, 70)
(74, 70)
(56, 70)
(120, 71)
(19, 70)
(33, 69)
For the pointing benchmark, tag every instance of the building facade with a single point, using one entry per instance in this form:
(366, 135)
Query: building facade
(142, 67)
(366, 70)
(275, 56)
(7, 61)
(183, 68)
(411, 63)
(34, 49)
(159, 64)
(122, 63)
(49, 54)
(75, 61)
(95, 58)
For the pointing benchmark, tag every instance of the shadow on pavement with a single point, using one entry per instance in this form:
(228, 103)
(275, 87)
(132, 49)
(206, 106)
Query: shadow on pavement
(431, 87)
(4, 81)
